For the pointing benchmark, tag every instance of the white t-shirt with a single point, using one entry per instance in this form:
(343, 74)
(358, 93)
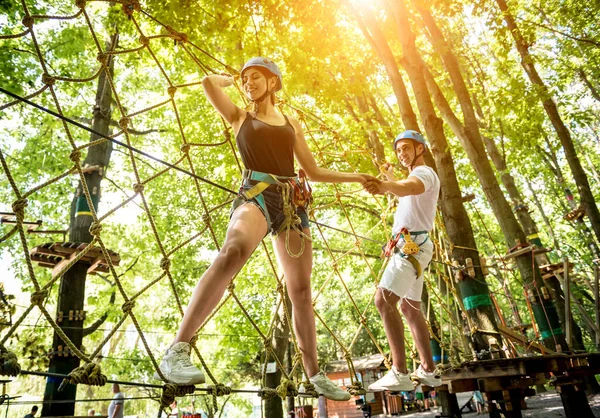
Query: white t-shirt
(417, 212)
(117, 400)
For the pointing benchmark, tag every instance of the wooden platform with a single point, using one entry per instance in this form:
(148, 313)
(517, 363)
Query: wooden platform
(54, 254)
(550, 366)
(505, 382)
(525, 250)
(551, 270)
(575, 214)
(10, 218)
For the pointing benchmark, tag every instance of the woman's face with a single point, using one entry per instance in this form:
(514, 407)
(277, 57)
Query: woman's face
(255, 83)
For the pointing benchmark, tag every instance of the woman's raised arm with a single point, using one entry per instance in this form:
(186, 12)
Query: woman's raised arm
(213, 89)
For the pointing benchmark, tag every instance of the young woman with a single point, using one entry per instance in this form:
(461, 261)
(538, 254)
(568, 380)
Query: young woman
(268, 142)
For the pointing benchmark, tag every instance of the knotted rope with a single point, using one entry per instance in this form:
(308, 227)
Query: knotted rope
(171, 390)
(287, 388)
(216, 390)
(88, 374)
(267, 393)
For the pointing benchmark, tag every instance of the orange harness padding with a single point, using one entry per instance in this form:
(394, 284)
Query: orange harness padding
(302, 191)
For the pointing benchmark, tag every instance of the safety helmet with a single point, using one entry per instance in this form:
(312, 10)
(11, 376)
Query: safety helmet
(414, 135)
(268, 65)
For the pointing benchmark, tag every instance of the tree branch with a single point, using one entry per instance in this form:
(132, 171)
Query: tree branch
(551, 29)
(589, 85)
(87, 331)
(100, 321)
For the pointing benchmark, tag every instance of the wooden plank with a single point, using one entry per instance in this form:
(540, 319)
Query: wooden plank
(461, 385)
(64, 248)
(42, 249)
(45, 265)
(498, 384)
(45, 258)
(486, 368)
(521, 339)
(519, 252)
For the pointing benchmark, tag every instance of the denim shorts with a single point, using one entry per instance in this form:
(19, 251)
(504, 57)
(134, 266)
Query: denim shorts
(272, 208)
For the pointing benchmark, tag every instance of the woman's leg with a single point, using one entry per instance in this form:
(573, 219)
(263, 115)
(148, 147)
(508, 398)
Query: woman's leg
(297, 273)
(246, 230)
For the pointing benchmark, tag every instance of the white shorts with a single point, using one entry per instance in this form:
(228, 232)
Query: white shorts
(400, 276)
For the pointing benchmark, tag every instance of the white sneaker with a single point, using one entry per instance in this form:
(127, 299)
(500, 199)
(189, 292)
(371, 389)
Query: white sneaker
(327, 388)
(177, 367)
(432, 379)
(393, 381)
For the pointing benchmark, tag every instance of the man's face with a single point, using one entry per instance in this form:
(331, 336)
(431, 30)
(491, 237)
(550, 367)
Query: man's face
(405, 151)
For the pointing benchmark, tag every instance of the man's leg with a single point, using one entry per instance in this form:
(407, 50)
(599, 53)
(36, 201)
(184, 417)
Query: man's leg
(387, 305)
(418, 328)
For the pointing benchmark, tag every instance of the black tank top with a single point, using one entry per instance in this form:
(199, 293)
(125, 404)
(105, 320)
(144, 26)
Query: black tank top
(267, 148)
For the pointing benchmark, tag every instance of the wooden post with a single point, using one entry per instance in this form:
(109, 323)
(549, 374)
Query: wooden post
(448, 402)
(567, 284)
(597, 297)
(504, 403)
(574, 401)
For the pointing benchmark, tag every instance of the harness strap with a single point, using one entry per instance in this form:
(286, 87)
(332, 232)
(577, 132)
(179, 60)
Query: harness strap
(256, 190)
(415, 263)
(264, 181)
(289, 208)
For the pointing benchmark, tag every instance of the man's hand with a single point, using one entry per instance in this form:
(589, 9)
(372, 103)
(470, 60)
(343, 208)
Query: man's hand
(387, 169)
(375, 186)
(364, 178)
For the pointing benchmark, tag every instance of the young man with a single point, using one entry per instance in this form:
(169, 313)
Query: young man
(34, 410)
(402, 281)
(115, 409)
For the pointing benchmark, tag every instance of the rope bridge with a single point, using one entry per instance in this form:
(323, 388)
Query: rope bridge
(340, 247)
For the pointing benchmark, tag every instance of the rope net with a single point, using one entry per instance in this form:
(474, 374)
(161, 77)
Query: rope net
(153, 267)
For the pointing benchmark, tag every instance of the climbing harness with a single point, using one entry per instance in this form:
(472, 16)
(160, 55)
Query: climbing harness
(295, 192)
(408, 249)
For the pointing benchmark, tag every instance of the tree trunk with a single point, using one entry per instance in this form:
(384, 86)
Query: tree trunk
(544, 217)
(579, 175)
(471, 141)
(72, 284)
(377, 40)
(521, 210)
(436, 333)
(379, 117)
(281, 336)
